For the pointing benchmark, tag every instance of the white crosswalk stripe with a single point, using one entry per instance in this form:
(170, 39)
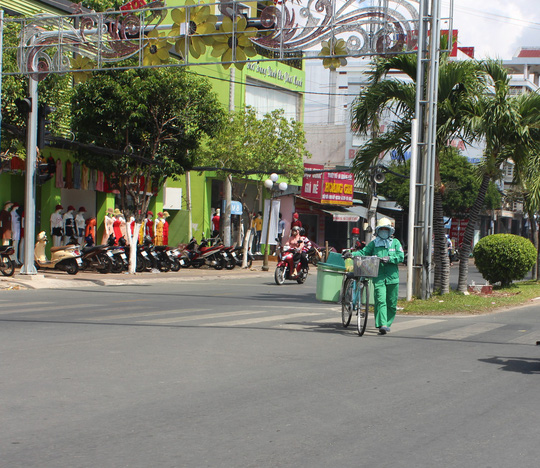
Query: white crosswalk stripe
(202, 317)
(526, 338)
(43, 310)
(462, 333)
(253, 321)
(401, 326)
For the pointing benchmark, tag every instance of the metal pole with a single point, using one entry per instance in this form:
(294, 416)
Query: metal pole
(416, 249)
(265, 266)
(432, 93)
(28, 267)
(412, 206)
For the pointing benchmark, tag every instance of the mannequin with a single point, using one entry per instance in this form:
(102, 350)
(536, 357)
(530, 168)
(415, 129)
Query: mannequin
(15, 230)
(5, 223)
(69, 225)
(165, 228)
(108, 224)
(21, 242)
(117, 225)
(57, 226)
(80, 225)
(90, 233)
(158, 229)
(149, 226)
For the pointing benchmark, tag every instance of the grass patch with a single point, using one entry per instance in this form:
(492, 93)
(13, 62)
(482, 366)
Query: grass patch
(457, 303)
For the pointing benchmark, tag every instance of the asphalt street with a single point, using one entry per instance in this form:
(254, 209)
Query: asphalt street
(240, 372)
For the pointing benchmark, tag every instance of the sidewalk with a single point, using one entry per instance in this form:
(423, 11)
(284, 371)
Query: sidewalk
(53, 279)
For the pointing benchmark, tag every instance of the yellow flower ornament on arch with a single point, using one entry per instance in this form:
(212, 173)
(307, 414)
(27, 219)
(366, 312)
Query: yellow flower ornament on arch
(335, 52)
(81, 68)
(238, 46)
(156, 49)
(198, 31)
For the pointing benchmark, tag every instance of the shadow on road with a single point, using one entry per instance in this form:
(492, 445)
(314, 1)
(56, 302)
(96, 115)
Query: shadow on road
(515, 364)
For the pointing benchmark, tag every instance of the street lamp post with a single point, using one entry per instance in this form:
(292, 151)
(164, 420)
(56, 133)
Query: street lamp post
(273, 186)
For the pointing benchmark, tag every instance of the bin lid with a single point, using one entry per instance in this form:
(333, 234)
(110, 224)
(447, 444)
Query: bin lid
(329, 266)
(335, 259)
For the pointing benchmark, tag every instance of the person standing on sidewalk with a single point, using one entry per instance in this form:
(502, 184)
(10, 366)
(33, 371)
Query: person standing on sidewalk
(386, 284)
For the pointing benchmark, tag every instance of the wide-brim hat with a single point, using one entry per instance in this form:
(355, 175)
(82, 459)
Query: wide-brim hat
(117, 212)
(59, 207)
(166, 214)
(82, 209)
(110, 210)
(149, 213)
(71, 208)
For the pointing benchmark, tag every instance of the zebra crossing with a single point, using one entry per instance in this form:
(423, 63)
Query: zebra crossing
(315, 317)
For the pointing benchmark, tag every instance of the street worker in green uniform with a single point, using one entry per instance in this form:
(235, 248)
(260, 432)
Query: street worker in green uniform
(386, 285)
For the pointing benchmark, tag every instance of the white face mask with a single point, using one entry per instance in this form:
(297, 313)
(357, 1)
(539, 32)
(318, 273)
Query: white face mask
(384, 234)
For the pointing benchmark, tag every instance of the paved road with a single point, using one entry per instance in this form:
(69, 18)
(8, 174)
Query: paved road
(243, 373)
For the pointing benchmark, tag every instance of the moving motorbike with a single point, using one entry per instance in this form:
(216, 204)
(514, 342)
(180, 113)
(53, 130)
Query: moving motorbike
(66, 258)
(7, 265)
(283, 269)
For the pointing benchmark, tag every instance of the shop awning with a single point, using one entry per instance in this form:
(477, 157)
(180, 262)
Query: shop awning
(362, 212)
(344, 216)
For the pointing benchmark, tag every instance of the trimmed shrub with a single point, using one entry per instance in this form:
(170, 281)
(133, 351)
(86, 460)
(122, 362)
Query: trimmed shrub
(503, 258)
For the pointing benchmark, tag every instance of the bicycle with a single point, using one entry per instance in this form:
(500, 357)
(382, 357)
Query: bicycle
(355, 292)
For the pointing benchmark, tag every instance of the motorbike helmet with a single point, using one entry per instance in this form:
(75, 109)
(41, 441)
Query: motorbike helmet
(295, 229)
(302, 231)
(386, 224)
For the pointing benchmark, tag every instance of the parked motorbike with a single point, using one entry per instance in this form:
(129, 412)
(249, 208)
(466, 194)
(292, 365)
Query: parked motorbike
(66, 258)
(314, 254)
(97, 257)
(167, 258)
(283, 270)
(239, 256)
(7, 265)
(197, 255)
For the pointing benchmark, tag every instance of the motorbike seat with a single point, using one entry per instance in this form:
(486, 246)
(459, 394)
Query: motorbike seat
(91, 249)
(6, 249)
(60, 247)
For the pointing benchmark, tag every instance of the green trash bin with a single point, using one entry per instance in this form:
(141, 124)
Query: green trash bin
(329, 281)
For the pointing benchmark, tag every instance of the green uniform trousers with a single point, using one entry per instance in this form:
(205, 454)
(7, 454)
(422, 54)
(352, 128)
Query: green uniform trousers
(386, 297)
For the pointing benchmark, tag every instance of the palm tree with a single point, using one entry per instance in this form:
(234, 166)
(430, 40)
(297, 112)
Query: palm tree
(506, 124)
(459, 84)
(527, 169)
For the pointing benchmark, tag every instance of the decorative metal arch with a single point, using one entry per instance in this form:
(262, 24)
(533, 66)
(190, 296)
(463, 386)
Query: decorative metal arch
(210, 33)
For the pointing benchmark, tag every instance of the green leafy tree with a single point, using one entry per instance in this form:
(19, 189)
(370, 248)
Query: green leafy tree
(143, 125)
(249, 146)
(459, 185)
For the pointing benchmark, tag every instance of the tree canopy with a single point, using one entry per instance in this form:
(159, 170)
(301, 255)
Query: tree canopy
(460, 184)
(247, 145)
(150, 120)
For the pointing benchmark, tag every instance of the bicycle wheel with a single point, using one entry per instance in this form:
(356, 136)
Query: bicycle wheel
(347, 301)
(7, 266)
(363, 309)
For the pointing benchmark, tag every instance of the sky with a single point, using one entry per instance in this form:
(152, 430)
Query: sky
(495, 28)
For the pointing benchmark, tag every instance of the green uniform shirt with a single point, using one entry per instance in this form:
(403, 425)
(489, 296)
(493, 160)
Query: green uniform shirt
(388, 272)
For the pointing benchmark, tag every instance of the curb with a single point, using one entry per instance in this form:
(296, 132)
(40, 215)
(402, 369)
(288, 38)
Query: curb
(56, 280)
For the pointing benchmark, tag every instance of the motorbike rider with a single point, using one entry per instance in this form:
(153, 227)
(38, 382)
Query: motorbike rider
(295, 249)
